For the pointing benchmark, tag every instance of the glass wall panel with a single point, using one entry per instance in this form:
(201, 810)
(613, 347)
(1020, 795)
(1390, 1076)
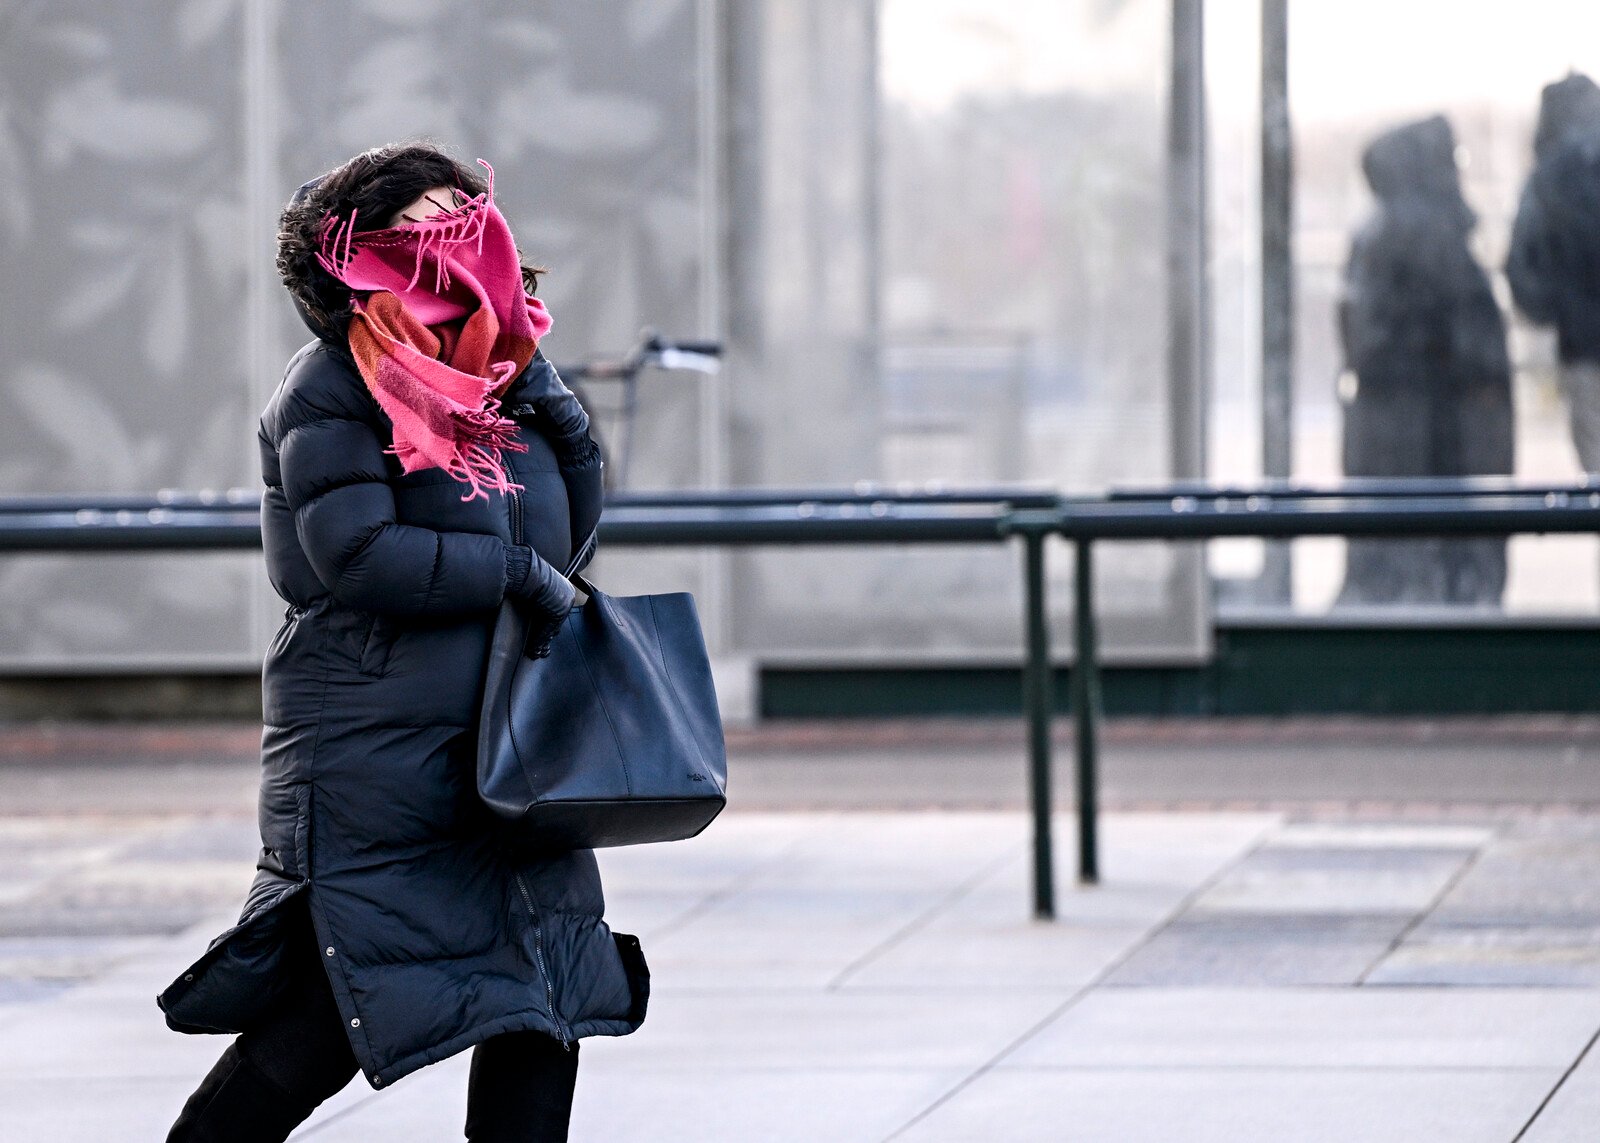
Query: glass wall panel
(1022, 331)
(1414, 141)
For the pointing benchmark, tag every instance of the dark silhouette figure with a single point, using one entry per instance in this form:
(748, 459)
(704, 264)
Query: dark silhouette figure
(1554, 266)
(1426, 342)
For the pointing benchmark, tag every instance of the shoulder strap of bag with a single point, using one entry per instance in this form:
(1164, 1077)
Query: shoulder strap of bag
(584, 553)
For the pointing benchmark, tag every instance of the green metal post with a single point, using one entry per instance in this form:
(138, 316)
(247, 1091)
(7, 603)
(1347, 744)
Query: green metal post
(1037, 701)
(1086, 714)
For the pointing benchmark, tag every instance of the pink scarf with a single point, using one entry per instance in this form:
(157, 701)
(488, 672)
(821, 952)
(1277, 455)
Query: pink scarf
(442, 326)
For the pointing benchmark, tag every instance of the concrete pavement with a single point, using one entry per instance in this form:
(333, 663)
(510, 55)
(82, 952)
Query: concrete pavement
(1304, 972)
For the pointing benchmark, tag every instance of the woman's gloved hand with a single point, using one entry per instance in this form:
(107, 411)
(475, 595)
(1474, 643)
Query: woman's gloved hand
(560, 418)
(541, 592)
(542, 392)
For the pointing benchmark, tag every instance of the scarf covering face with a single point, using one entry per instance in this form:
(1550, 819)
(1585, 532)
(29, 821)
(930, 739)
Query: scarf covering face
(442, 325)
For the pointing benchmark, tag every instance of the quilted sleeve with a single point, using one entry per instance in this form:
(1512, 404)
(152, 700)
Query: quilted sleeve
(336, 486)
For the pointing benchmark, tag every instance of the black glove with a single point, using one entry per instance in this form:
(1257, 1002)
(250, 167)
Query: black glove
(564, 421)
(541, 592)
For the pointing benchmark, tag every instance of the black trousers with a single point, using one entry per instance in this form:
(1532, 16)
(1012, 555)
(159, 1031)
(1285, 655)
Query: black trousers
(271, 1078)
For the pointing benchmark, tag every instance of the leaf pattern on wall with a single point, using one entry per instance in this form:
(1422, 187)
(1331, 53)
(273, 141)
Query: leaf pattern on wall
(123, 205)
(121, 127)
(589, 114)
(96, 115)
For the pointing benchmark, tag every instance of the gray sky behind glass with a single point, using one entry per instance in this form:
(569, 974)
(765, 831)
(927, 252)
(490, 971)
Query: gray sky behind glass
(1351, 58)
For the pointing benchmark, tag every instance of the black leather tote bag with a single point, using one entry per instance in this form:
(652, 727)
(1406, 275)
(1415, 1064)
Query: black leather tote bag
(613, 738)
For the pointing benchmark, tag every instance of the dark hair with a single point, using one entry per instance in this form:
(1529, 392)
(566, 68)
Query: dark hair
(375, 184)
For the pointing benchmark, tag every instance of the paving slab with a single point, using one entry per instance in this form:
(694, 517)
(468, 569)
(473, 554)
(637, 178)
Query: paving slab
(1378, 835)
(775, 1029)
(651, 890)
(844, 887)
(730, 849)
(1573, 1113)
(1246, 949)
(978, 939)
(679, 1105)
(63, 957)
(1317, 1027)
(1335, 879)
(754, 940)
(1538, 871)
(130, 785)
(17, 992)
(103, 1030)
(214, 837)
(951, 958)
(1206, 1105)
(91, 1108)
(652, 913)
(98, 878)
(1563, 955)
(1187, 847)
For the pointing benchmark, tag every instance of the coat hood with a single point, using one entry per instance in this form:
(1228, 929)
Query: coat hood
(1416, 159)
(317, 328)
(1416, 163)
(1569, 105)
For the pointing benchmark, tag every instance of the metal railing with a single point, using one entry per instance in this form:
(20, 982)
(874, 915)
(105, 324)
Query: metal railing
(873, 514)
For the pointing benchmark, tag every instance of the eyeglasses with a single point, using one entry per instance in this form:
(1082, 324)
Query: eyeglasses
(458, 199)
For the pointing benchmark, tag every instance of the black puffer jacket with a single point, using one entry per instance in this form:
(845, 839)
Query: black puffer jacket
(433, 936)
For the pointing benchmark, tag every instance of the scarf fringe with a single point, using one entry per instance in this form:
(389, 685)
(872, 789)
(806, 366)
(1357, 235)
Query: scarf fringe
(479, 466)
(435, 425)
(482, 438)
(436, 234)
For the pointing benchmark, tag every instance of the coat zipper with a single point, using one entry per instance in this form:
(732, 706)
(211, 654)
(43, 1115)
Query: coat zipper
(538, 955)
(514, 497)
(516, 506)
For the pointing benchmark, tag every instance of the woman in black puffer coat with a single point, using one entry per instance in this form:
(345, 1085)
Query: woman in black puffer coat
(387, 928)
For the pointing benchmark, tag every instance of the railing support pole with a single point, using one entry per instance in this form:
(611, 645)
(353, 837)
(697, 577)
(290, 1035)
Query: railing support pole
(1086, 713)
(1038, 699)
